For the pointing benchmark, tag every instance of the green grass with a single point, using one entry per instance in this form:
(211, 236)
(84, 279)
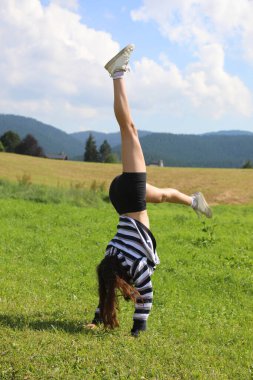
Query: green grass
(200, 326)
(75, 195)
(220, 186)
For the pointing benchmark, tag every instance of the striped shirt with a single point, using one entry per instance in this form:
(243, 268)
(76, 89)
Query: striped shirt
(135, 247)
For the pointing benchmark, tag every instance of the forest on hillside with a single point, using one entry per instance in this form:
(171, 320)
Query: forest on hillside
(223, 149)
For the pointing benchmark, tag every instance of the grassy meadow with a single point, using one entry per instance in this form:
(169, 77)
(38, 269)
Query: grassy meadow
(221, 186)
(52, 238)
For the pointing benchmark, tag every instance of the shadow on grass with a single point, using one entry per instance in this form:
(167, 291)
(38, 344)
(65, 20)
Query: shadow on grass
(38, 323)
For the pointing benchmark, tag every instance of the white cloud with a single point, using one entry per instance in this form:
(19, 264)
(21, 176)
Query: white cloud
(69, 4)
(205, 27)
(201, 22)
(51, 65)
(203, 86)
(49, 57)
(156, 86)
(209, 85)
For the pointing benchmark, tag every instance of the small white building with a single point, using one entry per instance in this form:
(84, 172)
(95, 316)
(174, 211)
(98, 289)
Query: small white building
(60, 156)
(157, 163)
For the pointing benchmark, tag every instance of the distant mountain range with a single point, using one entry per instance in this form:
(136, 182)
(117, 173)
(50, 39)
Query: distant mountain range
(112, 138)
(51, 139)
(215, 149)
(229, 133)
(227, 151)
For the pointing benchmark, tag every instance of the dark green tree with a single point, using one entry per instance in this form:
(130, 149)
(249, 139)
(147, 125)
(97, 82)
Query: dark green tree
(91, 153)
(10, 140)
(1, 146)
(112, 158)
(247, 165)
(105, 151)
(29, 146)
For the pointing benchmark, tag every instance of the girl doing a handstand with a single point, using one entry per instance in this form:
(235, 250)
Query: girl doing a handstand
(131, 256)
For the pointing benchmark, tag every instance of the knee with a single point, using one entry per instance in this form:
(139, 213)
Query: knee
(163, 196)
(167, 195)
(160, 196)
(129, 129)
(171, 195)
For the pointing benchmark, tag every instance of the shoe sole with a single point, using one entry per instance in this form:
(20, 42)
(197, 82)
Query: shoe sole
(111, 62)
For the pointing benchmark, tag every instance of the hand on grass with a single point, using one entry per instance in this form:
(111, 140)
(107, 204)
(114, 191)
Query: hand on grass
(91, 326)
(135, 333)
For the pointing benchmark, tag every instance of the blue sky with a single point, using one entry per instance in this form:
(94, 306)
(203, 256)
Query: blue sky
(191, 71)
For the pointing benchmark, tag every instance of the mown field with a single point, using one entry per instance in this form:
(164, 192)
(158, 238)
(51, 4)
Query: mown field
(201, 324)
(221, 186)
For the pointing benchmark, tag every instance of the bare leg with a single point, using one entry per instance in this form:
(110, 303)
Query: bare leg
(157, 195)
(132, 155)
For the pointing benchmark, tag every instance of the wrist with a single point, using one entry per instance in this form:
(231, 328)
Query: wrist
(140, 325)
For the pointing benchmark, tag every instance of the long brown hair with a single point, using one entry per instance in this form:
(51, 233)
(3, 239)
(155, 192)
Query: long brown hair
(112, 276)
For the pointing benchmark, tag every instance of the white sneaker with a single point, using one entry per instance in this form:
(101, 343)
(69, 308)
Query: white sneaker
(120, 61)
(200, 205)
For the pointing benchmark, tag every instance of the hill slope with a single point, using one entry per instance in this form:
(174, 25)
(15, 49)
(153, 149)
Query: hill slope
(218, 149)
(51, 139)
(198, 151)
(113, 139)
(229, 133)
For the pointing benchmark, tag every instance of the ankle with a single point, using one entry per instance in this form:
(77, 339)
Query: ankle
(194, 202)
(118, 74)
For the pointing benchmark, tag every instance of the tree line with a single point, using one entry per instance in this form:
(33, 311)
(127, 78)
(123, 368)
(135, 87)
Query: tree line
(103, 154)
(12, 143)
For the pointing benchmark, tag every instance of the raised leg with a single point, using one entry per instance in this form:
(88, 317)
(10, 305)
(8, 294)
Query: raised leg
(196, 201)
(157, 195)
(132, 155)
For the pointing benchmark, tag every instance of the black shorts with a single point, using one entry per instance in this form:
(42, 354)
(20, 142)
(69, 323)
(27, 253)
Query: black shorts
(128, 192)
